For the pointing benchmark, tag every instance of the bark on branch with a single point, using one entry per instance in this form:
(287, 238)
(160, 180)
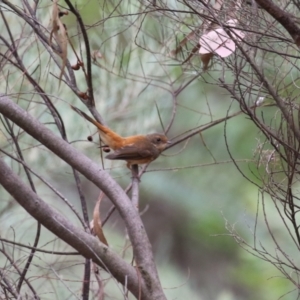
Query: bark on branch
(283, 18)
(151, 286)
(84, 243)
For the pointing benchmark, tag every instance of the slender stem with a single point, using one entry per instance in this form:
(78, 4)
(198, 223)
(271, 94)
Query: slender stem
(135, 186)
(139, 239)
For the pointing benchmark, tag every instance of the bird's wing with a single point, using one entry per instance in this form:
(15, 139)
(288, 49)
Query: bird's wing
(133, 153)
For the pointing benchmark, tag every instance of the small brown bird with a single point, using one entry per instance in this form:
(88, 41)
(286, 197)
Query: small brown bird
(136, 149)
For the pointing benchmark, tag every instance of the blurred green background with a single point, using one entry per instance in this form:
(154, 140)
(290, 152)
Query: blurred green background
(197, 206)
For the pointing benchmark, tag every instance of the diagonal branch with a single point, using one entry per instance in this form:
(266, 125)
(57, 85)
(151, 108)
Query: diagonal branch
(284, 18)
(91, 102)
(86, 244)
(93, 172)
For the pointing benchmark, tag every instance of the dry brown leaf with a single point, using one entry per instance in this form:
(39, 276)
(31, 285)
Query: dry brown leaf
(96, 225)
(60, 33)
(205, 58)
(195, 49)
(190, 36)
(83, 95)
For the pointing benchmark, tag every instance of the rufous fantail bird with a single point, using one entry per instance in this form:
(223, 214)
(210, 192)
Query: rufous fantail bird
(136, 149)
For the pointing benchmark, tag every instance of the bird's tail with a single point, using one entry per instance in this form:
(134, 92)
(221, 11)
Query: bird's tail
(84, 115)
(109, 137)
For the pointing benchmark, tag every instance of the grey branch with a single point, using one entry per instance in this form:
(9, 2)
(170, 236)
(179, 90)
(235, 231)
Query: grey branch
(87, 245)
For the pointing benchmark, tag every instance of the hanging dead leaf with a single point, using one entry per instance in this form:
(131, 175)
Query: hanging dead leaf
(63, 13)
(97, 226)
(80, 63)
(195, 49)
(60, 33)
(182, 43)
(75, 67)
(205, 58)
(83, 95)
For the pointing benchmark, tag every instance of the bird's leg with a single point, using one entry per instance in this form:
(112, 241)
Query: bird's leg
(134, 171)
(135, 185)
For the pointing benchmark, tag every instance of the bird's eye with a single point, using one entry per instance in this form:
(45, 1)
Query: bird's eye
(158, 139)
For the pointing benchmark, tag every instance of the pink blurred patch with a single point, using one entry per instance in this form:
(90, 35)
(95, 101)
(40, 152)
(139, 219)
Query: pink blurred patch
(217, 41)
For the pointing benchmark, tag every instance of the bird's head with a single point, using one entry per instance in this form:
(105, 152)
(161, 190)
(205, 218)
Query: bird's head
(160, 141)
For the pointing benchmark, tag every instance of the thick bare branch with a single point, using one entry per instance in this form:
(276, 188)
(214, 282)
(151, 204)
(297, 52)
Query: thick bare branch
(93, 172)
(284, 18)
(86, 244)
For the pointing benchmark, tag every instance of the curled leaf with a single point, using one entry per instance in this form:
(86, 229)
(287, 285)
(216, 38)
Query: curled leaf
(83, 95)
(97, 225)
(205, 58)
(60, 33)
(75, 67)
(63, 13)
(195, 49)
(78, 65)
(182, 43)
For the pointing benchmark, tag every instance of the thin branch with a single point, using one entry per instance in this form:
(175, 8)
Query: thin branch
(141, 245)
(88, 54)
(284, 18)
(38, 249)
(135, 186)
(86, 244)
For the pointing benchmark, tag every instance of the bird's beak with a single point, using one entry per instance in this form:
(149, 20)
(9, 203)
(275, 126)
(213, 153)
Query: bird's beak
(169, 142)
